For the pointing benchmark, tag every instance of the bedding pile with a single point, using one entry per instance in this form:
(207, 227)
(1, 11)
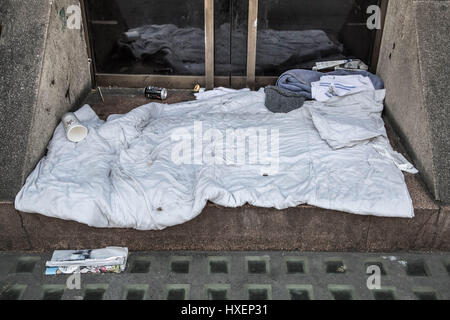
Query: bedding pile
(158, 165)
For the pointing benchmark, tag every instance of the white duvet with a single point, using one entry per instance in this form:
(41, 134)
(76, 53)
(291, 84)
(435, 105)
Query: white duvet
(333, 155)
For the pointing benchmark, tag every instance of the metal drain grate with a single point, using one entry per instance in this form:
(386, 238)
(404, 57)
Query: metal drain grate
(341, 292)
(335, 266)
(94, 292)
(180, 265)
(218, 265)
(425, 294)
(300, 292)
(135, 292)
(237, 275)
(52, 292)
(14, 292)
(218, 292)
(416, 268)
(385, 294)
(258, 265)
(259, 292)
(26, 264)
(140, 266)
(296, 265)
(177, 292)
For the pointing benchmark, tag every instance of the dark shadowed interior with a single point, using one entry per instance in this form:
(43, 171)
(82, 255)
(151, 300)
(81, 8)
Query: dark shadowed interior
(167, 37)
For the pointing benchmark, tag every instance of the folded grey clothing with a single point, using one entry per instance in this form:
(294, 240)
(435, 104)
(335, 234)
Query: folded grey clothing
(279, 100)
(299, 80)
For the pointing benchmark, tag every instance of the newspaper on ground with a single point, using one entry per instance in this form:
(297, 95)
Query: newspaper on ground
(107, 260)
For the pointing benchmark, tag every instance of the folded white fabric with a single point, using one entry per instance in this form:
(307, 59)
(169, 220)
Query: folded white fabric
(216, 92)
(355, 119)
(332, 86)
(350, 120)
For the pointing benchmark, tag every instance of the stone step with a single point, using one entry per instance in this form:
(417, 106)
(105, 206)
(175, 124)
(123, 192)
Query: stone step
(303, 228)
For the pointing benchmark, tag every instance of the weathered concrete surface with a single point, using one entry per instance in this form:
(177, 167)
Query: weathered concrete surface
(443, 232)
(123, 100)
(303, 228)
(44, 72)
(424, 232)
(433, 34)
(12, 234)
(65, 81)
(414, 64)
(22, 48)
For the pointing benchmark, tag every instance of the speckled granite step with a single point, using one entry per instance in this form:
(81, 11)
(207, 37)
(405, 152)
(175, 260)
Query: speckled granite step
(303, 228)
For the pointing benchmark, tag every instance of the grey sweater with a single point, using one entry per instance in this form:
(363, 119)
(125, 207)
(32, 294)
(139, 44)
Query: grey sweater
(279, 100)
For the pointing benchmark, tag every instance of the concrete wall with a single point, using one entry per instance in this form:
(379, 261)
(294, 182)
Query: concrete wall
(44, 72)
(414, 65)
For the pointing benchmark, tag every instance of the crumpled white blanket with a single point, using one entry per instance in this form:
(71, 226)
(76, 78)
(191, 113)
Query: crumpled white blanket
(333, 155)
(220, 91)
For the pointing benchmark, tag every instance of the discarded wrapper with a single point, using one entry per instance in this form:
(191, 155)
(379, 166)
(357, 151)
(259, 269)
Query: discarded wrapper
(329, 64)
(351, 64)
(196, 88)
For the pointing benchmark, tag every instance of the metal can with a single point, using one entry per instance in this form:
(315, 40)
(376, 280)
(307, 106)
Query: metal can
(152, 92)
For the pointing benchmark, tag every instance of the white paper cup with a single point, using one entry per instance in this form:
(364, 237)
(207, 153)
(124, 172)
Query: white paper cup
(75, 131)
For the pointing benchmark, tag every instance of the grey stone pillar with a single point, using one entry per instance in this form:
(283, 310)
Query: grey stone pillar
(44, 72)
(414, 62)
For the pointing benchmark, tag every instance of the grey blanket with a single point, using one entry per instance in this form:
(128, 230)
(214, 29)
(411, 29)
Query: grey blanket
(300, 80)
(279, 100)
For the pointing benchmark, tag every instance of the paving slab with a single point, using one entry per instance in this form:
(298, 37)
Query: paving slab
(282, 275)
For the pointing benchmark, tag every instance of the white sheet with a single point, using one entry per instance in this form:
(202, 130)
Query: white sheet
(123, 175)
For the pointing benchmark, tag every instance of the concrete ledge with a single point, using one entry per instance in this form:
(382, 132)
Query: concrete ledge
(304, 228)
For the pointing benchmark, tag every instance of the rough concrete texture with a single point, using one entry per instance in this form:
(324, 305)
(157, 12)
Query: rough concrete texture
(412, 62)
(20, 67)
(443, 227)
(123, 100)
(44, 72)
(65, 81)
(12, 233)
(433, 28)
(303, 228)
